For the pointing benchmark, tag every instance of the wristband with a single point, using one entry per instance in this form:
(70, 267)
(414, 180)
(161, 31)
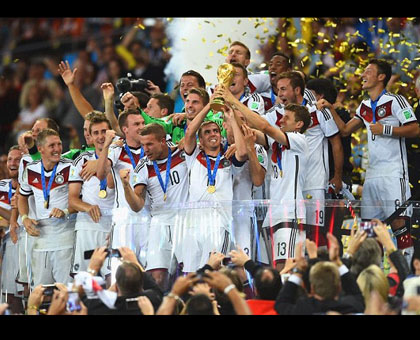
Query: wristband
(229, 288)
(91, 271)
(173, 296)
(66, 212)
(387, 130)
(24, 217)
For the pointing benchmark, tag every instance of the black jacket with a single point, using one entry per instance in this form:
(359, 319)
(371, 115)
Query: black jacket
(290, 302)
(150, 289)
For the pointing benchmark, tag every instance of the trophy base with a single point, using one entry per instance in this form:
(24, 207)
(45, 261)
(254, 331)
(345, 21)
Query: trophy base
(217, 106)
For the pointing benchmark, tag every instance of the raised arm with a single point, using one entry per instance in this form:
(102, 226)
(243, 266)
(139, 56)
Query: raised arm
(82, 105)
(256, 170)
(346, 129)
(108, 93)
(190, 139)
(241, 151)
(135, 198)
(104, 164)
(253, 119)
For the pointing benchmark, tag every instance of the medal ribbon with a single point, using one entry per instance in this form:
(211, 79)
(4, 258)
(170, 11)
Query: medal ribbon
(212, 176)
(102, 185)
(10, 192)
(45, 190)
(373, 104)
(168, 169)
(127, 149)
(273, 97)
(278, 155)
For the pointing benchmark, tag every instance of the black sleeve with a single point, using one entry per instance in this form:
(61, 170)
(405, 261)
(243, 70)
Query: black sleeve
(400, 263)
(252, 267)
(351, 292)
(286, 300)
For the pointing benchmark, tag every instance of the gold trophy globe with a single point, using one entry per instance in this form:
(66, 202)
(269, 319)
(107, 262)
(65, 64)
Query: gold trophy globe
(225, 74)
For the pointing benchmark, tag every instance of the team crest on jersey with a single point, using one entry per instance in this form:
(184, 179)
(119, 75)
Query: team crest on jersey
(381, 112)
(182, 155)
(59, 179)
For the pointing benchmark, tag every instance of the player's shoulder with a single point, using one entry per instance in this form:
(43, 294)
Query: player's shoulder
(400, 100)
(141, 164)
(83, 155)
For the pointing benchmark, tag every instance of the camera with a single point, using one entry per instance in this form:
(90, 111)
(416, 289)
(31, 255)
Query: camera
(368, 227)
(49, 289)
(131, 303)
(110, 253)
(127, 84)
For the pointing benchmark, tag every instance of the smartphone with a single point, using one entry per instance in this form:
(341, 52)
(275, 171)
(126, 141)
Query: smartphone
(368, 227)
(131, 303)
(226, 261)
(73, 302)
(49, 289)
(114, 253)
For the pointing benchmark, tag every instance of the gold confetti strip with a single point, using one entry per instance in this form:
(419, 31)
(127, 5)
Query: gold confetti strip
(208, 67)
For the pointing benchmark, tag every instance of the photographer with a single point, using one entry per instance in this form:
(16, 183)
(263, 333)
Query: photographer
(131, 282)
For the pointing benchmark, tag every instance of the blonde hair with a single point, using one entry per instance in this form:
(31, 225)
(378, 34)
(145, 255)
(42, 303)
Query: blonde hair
(325, 279)
(373, 278)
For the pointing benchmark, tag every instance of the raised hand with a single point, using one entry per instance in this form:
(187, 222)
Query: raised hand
(66, 72)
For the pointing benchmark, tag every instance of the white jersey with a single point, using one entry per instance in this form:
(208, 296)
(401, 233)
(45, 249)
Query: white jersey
(59, 193)
(253, 101)
(24, 161)
(90, 189)
(287, 182)
(322, 126)
(197, 166)
(387, 155)
(260, 83)
(6, 193)
(242, 183)
(177, 187)
(120, 159)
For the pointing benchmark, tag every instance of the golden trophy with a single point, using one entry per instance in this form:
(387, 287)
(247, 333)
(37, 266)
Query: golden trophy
(225, 74)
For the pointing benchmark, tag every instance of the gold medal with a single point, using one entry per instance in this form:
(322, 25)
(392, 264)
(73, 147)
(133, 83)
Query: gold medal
(46, 204)
(164, 197)
(211, 189)
(281, 173)
(102, 194)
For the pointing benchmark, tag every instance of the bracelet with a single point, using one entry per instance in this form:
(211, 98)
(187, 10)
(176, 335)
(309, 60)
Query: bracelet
(347, 256)
(173, 296)
(33, 307)
(66, 212)
(91, 271)
(229, 288)
(24, 217)
(387, 130)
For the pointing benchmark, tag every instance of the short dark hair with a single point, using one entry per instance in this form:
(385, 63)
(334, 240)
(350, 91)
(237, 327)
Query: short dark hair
(154, 129)
(122, 118)
(248, 52)
(325, 87)
(142, 97)
(165, 102)
(51, 123)
(267, 288)
(199, 304)
(97, 119)
(296, 80)
(198, 76)
(129, 278)
(242, 67)
(14, 147)
(384, 67)
(201, 92)
(301, 115)
(280, 54)
(207, 122)
(40, 139)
